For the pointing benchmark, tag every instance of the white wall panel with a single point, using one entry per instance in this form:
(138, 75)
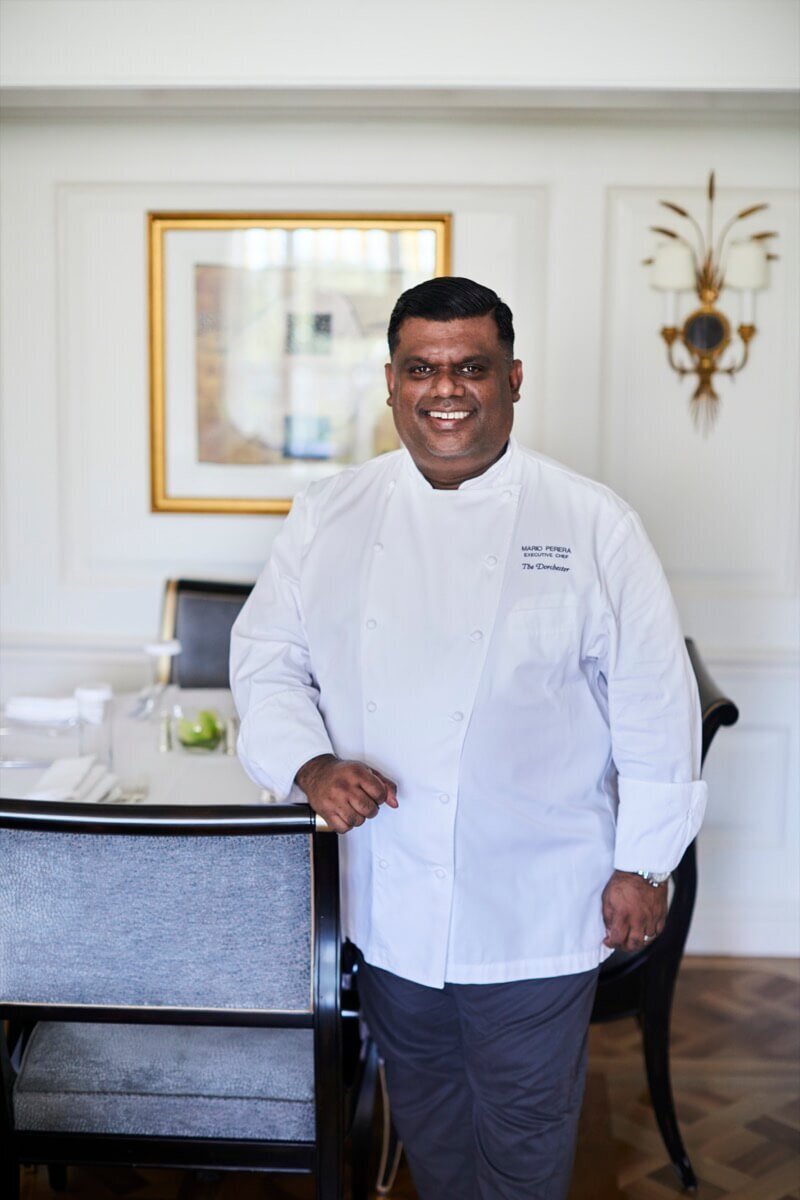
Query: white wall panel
(722, 510)
(749, 884)
(716, 538)
(102, 249)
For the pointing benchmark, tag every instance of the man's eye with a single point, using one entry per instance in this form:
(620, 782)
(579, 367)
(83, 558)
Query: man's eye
(471, 369)
(420, 369)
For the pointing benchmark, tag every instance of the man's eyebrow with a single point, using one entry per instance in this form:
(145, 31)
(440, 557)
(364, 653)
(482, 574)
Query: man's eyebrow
(471, 358)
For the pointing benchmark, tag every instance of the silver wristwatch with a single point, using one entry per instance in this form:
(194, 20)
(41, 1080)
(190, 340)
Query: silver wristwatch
(655, 878)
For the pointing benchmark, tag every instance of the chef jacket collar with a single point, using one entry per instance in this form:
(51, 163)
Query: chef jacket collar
(498, 472)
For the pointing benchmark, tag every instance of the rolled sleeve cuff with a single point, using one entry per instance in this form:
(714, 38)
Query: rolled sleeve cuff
(274, 745)
(656, 822)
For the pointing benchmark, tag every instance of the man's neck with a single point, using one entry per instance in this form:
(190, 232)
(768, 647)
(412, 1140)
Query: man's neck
(449, 485)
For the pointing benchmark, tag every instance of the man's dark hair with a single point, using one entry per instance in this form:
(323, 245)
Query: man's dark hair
(452, 298)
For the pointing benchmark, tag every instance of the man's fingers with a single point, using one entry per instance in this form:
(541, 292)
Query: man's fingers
(377, 786)
(345, 819)
(390, 793)
(337, 823)
(365, 780)
(357, 809)
(362, 806)
(617, 932)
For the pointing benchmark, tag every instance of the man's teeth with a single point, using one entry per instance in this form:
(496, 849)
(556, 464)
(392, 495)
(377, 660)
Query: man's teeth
(449, 416)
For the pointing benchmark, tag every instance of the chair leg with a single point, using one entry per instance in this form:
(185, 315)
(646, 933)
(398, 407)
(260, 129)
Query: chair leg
(391, 1146)
(361, 1132)
(654, 1021)
(9, 1179)
(329, 1182)
(57, 1177)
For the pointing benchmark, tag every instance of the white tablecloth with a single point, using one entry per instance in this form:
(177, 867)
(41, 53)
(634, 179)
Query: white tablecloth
(177, 776)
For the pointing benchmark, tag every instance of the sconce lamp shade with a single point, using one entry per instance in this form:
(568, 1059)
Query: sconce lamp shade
(747, 267)
(673, 268)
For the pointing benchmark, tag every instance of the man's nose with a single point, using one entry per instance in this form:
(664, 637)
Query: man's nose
(447, 384)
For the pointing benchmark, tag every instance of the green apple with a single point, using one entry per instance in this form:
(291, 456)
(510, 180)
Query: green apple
(204, 731)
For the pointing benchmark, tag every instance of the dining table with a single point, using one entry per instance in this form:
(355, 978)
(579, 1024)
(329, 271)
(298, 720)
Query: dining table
(150, 764)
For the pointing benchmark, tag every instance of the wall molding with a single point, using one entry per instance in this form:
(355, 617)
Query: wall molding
(587, 105)
(33, 645)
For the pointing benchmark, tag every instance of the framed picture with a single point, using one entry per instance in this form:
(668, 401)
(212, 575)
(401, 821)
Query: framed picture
(267, 345)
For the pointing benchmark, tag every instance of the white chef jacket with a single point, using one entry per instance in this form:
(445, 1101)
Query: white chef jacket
(509, 653)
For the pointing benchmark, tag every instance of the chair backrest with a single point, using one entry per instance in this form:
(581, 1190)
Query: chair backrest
(200, 614)
(715, 707)
(156, 914)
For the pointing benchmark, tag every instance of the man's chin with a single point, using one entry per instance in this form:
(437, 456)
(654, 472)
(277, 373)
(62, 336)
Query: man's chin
(441, 451)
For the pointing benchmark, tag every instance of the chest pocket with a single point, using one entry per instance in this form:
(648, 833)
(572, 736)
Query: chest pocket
(542, 633)
(548, 613)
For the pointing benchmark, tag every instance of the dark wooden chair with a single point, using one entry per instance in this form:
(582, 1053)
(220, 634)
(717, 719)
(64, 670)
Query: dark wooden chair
(639, 984)
(171, 982)
(200, 614)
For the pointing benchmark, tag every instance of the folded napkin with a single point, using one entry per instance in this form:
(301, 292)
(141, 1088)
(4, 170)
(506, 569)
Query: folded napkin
(42, 709)
(80, 779)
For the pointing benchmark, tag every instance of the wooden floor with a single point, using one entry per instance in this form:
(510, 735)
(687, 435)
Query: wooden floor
(736, 1074)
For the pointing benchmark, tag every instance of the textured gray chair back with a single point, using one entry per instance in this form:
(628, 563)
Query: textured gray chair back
(213, 922)
(200, 614)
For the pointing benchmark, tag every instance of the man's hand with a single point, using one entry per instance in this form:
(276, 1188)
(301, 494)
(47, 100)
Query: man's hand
(344, 792)
(632, 908)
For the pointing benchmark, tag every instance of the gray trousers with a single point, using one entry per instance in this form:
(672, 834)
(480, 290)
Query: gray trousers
(485, 1080)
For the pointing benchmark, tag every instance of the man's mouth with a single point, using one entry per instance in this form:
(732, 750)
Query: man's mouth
(447, 418)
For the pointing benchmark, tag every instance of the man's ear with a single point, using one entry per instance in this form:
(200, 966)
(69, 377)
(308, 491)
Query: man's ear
(389, 382)
(515, 379)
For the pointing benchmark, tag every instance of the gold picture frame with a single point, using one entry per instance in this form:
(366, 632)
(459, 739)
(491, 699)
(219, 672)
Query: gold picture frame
(267, 341)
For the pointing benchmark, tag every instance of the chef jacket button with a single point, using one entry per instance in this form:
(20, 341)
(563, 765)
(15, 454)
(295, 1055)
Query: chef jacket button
(382, 863)
(506, 495)
(440, 873)
(371, 623)
(490, 561)
(372, 706)
(444, 798)
(378, 547)
(476, 635)
(456, 716)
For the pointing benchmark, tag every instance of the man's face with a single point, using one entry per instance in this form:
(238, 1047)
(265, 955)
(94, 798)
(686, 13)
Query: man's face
(452, 391)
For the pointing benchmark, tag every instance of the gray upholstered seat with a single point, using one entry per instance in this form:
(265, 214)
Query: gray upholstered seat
(171, 979)
(168, 1080)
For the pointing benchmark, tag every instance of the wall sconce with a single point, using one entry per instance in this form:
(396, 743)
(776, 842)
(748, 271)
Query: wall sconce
(697, 264)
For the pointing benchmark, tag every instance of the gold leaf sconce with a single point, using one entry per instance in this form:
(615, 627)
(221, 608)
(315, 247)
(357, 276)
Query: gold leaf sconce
(693, 261)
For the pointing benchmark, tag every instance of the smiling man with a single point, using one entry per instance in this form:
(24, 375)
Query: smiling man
(452, 389)
(468, 659)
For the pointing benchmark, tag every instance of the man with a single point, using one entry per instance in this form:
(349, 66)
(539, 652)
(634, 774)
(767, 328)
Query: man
(468, 659)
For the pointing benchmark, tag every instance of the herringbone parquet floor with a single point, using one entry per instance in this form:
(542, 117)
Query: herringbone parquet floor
(736, 1075)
